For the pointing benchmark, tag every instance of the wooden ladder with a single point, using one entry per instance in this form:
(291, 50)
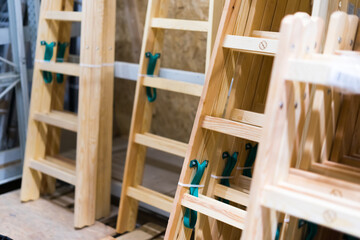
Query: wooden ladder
(248, 37)
(299, 127)
(91, 175)
(140, 137)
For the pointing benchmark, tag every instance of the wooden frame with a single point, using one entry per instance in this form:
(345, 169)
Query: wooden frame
(243, 118)
(277, 187)
(140, 137)
(93, 124)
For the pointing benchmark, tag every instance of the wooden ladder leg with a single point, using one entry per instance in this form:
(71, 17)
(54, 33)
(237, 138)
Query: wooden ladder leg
(103, 190)
(176, 229)
(41, 101)
(141, 120)
(93, 91)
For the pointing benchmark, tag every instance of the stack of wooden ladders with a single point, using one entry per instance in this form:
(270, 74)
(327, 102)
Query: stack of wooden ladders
(300, 126)
(92, 174)
(140, 137)
(227, 124)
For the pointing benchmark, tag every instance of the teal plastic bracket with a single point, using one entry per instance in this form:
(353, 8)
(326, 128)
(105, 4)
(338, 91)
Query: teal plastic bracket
(229, 166)
(49, 51)
(60, 58)
(151, 92)
(250, 159)
(277, 235)
(311, 229)
(190, 216)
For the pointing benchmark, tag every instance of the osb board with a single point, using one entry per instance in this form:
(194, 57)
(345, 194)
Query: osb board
(43, 219)
(182, 50)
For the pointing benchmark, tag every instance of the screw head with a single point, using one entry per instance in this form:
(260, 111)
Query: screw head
(281, 105)
(339, 39)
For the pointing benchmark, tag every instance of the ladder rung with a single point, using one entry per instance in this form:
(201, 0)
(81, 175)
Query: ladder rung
(247, 117)
(71, 69)
(173, 85)
(151, 197)
(232, 128)
(64, 120)
(265, 34)
(63, 16)
(253, 45)
(60, 168)
(215, 209)
(180, 24)
(231, 194)
(162, 144)
(327, 210)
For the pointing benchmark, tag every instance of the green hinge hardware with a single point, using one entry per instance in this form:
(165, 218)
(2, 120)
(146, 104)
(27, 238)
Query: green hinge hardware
(229, 166)
(190, 215)
(151, 92)
(250, 159)
(49, 51)
(60, 58)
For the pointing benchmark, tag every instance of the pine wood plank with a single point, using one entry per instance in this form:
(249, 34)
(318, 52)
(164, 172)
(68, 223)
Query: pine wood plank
(161, 143)
(180, 24)
(174, 86)
(64, 16)
(65, 120)
(232, 128)
(253, 45)
(60, 169)
(71, 69)
(215, 209)
(151, 197)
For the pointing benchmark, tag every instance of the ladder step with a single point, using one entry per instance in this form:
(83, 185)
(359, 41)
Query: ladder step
(71, 69)
(173, 85)
(63, 16)
(180, 24)
(327, 210)
(232, 128)
(252, 118)
(265, 34)
(60, 168)
(161, 143)
(262, 46)
(231, 194)
(215, 209)
(64, 120)
(151, 197)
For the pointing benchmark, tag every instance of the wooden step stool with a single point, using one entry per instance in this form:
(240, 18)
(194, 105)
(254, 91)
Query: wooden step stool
(145, 97)
(227, 124)
(276, 186)
(91, 175)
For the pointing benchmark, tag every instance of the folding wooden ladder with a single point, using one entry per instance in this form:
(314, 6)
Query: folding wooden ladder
(145, 97)
(225, 124)
(91, 175)
(292, 116)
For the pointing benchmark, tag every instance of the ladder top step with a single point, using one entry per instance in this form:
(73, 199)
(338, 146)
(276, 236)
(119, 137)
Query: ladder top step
(71, 69)
(57, 167)
(173, 85)
(215, 209)
(161, 143)
(63, 16)
(61, 119)
(180, 24)
(254, 45)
